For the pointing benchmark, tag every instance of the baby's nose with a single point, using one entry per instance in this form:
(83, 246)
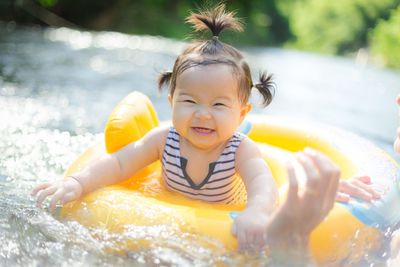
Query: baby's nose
(203, 113)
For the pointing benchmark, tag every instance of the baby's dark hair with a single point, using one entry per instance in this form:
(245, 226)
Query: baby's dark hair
(213, 51)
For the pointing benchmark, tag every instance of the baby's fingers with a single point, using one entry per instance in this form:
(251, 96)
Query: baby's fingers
(45, 193)
(68, 197)
(242, 239)
(259, 241)
(39, 187)
(56, 198)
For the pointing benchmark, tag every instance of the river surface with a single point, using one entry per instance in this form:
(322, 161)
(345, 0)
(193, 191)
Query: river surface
(57, 87)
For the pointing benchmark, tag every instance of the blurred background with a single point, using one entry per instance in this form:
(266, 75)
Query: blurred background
(335, 62)
(363, 28)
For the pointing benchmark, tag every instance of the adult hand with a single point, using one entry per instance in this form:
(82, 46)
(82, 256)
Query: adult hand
(296, 218)
(63, 190)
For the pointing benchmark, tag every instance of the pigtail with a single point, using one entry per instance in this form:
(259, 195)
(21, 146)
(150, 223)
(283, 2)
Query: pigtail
(163, 79)
(266, 87)
(215, 19)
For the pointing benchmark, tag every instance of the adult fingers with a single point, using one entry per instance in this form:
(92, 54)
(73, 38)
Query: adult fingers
(292, 194)
(313, 184)
(39, 187)
(329, 175)
(45, 193)
(314, 197)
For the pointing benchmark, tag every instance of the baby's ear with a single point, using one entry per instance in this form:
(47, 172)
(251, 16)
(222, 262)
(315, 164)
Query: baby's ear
(170, 99)
(245, 110)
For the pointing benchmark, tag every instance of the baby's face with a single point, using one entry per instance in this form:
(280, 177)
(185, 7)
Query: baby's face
(206, 109)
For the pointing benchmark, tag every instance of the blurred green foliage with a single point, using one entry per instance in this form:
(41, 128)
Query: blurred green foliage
(264, 23)
(385, 40)
(47, 3)
(338, 26)
(334, 27)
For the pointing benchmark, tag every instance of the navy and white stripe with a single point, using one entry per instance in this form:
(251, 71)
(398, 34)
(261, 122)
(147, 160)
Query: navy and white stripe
(221, 185)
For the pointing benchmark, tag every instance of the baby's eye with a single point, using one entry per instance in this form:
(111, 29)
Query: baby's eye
(219, 104)
(188, 101)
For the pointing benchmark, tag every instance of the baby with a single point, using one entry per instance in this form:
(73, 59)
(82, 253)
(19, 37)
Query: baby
(202, 154)
(209, 89)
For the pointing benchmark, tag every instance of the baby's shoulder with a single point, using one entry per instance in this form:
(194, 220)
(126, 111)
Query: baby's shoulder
(160, 131)
(157, 136)
(247, 149)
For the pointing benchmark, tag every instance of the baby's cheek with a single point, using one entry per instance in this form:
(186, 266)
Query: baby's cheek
(180, 114)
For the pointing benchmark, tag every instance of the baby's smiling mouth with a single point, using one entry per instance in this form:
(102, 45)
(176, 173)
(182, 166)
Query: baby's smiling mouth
(202, 130)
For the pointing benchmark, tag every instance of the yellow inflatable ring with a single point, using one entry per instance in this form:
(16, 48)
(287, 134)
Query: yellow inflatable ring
(350, 229)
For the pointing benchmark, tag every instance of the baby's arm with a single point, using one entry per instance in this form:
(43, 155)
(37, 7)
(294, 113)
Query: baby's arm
(262, 196)
(109, 169)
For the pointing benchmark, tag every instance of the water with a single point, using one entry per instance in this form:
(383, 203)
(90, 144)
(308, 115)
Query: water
(57, 87)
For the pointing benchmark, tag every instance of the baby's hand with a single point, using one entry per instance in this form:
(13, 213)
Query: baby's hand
(358, 187)
(64, 190)
(249, 228)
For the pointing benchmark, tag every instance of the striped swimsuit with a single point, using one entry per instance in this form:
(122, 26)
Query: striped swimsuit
(221, 185)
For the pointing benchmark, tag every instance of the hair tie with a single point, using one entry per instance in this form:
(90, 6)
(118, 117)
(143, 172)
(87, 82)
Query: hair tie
(215, 38)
